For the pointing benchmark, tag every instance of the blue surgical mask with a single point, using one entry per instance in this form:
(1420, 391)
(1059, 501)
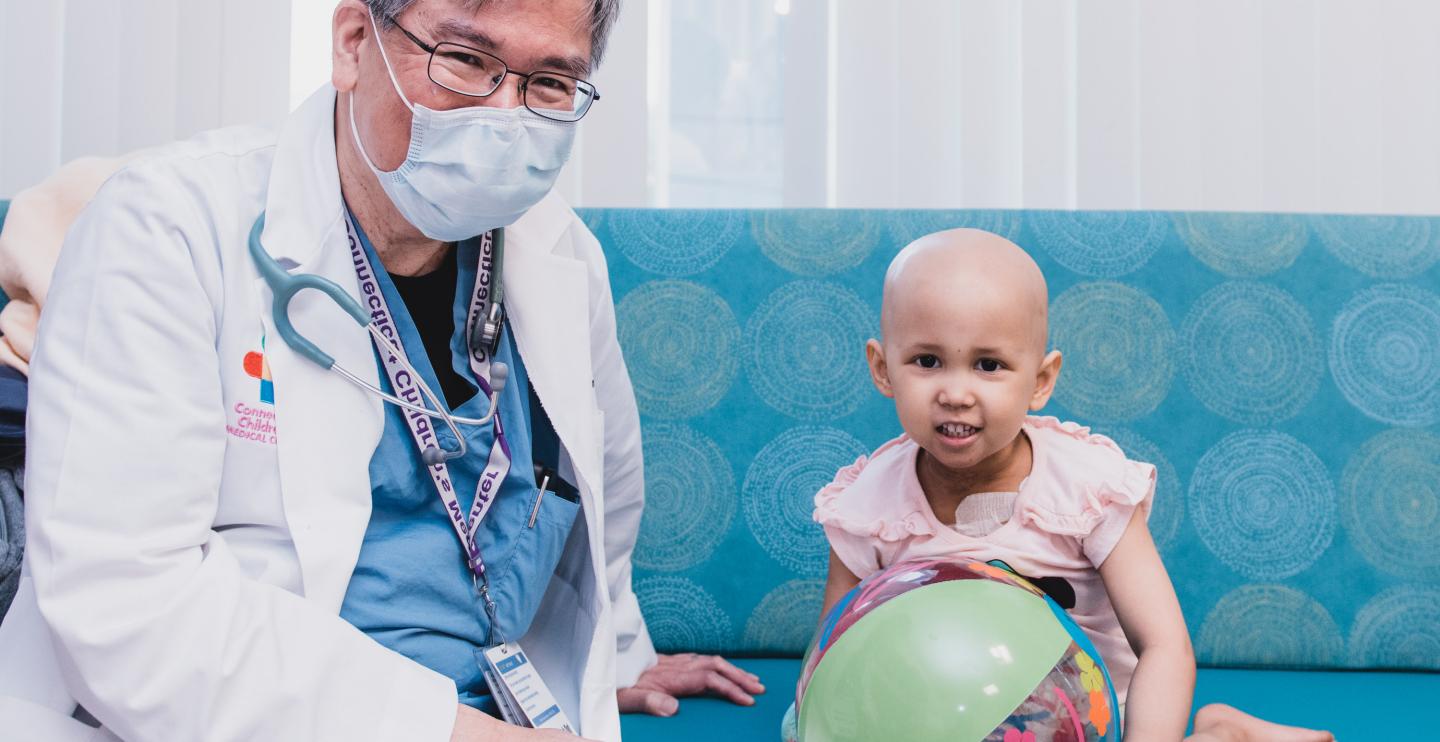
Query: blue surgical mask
(470, 170)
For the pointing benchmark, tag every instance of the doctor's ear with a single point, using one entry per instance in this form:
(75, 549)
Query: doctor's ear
(879, 369)
(348, 28)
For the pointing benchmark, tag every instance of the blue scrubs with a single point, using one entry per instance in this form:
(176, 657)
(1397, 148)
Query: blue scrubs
(411, 589)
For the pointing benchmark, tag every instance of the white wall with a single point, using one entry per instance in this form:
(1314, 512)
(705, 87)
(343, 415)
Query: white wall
(1290, 105)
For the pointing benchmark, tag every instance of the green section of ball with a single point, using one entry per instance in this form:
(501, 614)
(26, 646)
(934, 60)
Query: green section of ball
(949, 661)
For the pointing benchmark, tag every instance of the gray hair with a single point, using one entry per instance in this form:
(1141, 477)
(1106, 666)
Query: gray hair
(602, 19)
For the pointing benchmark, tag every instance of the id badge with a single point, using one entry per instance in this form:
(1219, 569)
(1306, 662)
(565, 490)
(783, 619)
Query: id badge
(521, 694)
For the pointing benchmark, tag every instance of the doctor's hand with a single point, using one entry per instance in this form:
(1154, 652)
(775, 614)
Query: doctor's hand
(476, 726)
(658, 690)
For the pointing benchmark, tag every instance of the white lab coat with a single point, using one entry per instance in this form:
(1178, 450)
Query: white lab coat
(186, 563)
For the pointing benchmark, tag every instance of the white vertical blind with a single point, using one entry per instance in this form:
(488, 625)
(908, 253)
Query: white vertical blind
(99, 77)
(30, 75)
(1410, 113)
(1289, 147)
(1282, 105)
(1048, 107)
(1169, 91)
(1285, 105)
(867, 101)
(804, 82)
(1107, 120)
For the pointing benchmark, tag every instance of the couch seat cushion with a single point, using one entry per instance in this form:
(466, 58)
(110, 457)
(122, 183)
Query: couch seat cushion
(1352, 705)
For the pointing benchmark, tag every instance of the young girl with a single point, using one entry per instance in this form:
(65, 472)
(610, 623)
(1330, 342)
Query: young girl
(963, 354)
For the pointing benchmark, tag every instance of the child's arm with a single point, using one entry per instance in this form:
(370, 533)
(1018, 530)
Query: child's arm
(840, 581)
(1158, 706)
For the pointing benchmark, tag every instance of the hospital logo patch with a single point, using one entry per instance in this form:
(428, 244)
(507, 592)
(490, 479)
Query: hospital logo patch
(258, 368)
(256, 422)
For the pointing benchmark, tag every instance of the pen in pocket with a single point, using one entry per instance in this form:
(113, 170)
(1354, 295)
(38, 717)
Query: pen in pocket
(539, 495)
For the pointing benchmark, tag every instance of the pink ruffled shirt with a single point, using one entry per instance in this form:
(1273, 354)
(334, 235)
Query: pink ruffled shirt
(1069, 514)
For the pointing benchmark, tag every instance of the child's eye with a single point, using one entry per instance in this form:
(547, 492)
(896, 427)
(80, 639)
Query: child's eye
(989, 365)
(927, 361)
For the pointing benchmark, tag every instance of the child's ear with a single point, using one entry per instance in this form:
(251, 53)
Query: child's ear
(1045, 380)
(879, 370)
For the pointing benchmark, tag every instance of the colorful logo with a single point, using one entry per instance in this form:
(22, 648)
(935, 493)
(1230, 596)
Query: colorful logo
(258, 368)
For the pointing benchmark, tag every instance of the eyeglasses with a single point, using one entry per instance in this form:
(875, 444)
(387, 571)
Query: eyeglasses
(469, 71)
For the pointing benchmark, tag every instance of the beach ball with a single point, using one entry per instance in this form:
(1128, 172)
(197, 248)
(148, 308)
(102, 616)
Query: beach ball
(954, 650)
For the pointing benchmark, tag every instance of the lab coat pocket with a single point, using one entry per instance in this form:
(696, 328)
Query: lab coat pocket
(536, 552)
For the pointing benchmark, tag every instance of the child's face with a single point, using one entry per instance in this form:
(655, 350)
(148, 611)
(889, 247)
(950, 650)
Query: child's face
(964, 358)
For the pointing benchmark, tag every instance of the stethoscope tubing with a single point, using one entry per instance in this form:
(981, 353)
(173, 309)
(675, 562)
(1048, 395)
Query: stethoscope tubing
(285, 286)
(497, 384)
(497, 381)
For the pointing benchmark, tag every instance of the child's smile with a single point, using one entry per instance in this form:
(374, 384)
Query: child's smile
(957, 434)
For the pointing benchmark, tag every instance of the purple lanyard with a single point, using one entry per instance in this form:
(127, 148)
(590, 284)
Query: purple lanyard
(406, 387)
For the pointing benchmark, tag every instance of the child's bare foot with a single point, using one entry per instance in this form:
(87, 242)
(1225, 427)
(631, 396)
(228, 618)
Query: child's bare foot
(1220, 722)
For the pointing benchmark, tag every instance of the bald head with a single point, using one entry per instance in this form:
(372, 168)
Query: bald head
(969, 263)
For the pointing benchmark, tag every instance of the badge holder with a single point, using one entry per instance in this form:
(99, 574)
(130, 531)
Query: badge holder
(521, 694)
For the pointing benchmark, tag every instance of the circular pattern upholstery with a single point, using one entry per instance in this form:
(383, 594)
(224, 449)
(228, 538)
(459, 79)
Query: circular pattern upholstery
(1381, 246)
(1269, 625)
(1391, 502)
(1385, 354)
(682, 616)
(1330, 490)
(1397, 628)
(785, 617)
(779, 494)
(689, 498)
(682, 346)
(816, 242)
(1100, 244)
(595, 221)
(806, 350)
(1117, 346)
(1263, 503)
(1243, 245)
(1251, 353)
(678, 242)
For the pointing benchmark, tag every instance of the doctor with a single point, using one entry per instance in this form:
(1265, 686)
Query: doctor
(231, 540)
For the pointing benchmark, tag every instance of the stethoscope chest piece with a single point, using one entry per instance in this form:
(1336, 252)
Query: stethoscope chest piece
(487, 335)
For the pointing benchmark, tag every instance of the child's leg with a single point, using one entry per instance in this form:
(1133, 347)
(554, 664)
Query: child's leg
(1220, 723)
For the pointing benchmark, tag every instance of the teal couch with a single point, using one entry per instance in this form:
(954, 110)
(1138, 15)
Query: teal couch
(1281, 371)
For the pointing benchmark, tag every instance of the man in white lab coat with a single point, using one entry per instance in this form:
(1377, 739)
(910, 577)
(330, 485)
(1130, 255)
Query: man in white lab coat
(212, 551)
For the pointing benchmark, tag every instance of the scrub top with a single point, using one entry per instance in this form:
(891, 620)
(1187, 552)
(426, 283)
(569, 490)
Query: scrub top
(412, 590)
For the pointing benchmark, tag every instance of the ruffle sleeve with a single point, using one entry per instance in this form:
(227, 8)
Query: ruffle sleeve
(1083, 486)
(868, 509)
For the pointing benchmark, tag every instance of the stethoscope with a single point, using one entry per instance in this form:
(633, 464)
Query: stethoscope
(485, 334)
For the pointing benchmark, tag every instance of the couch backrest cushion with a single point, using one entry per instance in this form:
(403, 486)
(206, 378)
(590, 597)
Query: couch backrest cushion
(1281, 371)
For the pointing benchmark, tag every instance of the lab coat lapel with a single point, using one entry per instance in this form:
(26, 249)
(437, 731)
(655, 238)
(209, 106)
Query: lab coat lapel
(327, 429)
(548, 295)
(548, 300)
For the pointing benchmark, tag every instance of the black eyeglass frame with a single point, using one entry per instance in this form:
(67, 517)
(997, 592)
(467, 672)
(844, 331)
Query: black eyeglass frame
(524, 76)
